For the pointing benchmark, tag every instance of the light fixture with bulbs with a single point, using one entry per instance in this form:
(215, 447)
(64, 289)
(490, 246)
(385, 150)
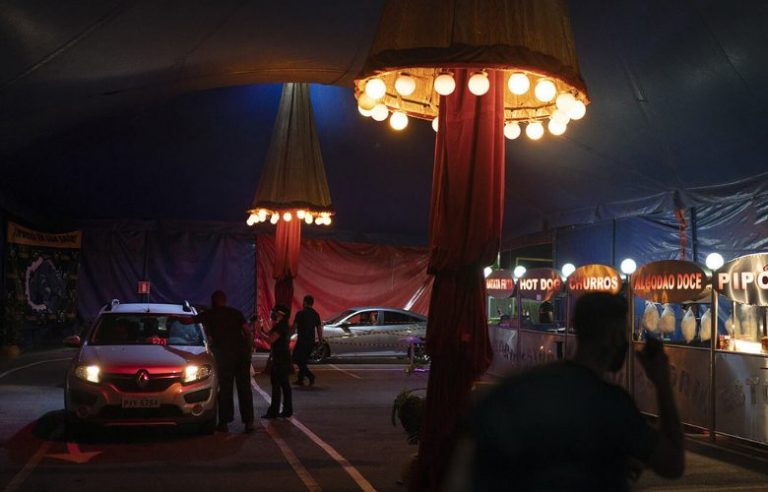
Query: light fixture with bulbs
(262, 215)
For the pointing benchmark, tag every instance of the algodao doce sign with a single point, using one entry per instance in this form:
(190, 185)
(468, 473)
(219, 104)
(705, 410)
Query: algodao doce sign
(594, 278)
(744, 279)
(500, 284)
(672, 281)
(540, 283)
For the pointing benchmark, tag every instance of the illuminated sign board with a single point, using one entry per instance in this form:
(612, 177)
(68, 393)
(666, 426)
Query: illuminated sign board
(744, 280)
(670, 281)
(500, 284)
(541, 284)
(594, 278)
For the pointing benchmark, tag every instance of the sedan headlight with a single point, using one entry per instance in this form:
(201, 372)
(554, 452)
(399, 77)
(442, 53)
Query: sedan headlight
(194, 373)
(88, 373)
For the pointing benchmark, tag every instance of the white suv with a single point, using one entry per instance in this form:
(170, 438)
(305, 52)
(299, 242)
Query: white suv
(137, 367)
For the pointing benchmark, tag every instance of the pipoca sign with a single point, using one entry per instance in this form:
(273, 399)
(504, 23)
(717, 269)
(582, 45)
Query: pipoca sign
(670, 281)
(540, 283)
(744, 280)
(594, 278)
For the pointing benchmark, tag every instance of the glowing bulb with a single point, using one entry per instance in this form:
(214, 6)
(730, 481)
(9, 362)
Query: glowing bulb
(328, 221)
(519, 271)
(479, 84)
(252, 219)
(444, 84)
(512, 130)
(577, 110)
(262, 215)
(308, 218)
(365, 102)
(534, 130)
(398, 120)
(275, 217)
(568, 269)
(405, 85)
(628, 266)
(564, 101)
(519, 83)
(487, 271)
(715, 261)
(300, 214)
(556, 127)
(375, 88)
(545, 90)
(287, 216)
(561, 116)
(364, 112)
(435, 123)
(379, 112)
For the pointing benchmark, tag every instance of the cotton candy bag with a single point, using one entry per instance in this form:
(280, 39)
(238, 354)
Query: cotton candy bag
(688, 326)
(650, 317)
(705, 333)
(667, 321)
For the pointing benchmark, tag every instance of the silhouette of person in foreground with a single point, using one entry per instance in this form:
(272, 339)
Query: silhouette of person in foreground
(562, 427)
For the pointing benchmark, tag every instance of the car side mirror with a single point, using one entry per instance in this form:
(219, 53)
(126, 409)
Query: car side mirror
(73, 341)
(344, 326)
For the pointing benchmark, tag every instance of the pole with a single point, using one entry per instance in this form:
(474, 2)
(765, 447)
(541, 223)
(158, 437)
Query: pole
(714, 307)
(630, 379)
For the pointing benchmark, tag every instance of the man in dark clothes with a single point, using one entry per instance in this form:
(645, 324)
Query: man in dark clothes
(307, 324)
(279, 338)
(562, 427)
(232, 345)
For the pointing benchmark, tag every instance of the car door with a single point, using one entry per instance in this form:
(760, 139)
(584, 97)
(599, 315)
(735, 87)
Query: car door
(400, 327)
(355, 334)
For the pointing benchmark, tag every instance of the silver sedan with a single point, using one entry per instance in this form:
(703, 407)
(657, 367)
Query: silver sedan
(372, 331)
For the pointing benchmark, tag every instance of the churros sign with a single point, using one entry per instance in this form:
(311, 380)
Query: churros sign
(594, 278)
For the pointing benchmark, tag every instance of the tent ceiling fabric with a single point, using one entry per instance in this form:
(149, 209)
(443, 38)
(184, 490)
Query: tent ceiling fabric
(139, 109)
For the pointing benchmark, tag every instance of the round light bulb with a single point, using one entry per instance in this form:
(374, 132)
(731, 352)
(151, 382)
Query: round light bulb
(577, 110)
(479, 84)
(287, 216)
(365, 101)
(568, 269)
(262, 215)
(405, 85)
(379, 112)
(534, 130)
(300, 214)
(487, 271)
(444, 84)
(512, 130)
(375, 88)
(435, 123)
(519, 83)
(328, 221)
(545, 90)
(398, 120)
(561, 116)
(252, 219)
(564, 101)
(519, 271)
(628, 266)
(308, 218)
(715, 261)
(365, 112)
(556, 127)
(275, 218)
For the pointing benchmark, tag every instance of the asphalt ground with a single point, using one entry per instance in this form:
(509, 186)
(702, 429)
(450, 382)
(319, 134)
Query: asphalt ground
(339, 439)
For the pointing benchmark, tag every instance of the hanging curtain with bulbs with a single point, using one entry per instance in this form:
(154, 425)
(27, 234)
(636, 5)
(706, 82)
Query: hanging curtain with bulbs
(293, 188)
(465, 233)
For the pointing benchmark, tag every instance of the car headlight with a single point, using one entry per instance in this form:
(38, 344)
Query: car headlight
(194, 373)
(88, 373)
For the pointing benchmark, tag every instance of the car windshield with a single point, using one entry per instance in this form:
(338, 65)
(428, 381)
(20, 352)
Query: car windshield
(144, 329)
(338, 317)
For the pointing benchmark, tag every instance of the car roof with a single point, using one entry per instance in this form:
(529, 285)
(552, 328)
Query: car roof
(143, 308)
(391, 309)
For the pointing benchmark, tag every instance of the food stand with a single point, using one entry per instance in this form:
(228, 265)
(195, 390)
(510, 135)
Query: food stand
(503, 320)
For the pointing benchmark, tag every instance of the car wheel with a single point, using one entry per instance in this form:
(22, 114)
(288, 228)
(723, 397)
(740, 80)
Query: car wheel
(320, 353)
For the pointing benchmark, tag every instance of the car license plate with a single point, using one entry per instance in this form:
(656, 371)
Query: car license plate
(141, 403)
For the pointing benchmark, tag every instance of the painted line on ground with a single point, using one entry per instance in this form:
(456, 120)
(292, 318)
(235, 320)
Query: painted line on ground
(361, 482)
(35, 460)
(15, 369)
(292, 459)
(345, 371)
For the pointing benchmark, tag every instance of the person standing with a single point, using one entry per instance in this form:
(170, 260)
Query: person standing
(280, 352)
(308, 328)
(232, 344)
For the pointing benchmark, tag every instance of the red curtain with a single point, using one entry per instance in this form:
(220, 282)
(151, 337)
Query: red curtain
(286, 259)
(465, 233)
(341, 275)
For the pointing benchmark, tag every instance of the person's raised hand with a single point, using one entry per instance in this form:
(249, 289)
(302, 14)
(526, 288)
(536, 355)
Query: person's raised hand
(654, 361)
